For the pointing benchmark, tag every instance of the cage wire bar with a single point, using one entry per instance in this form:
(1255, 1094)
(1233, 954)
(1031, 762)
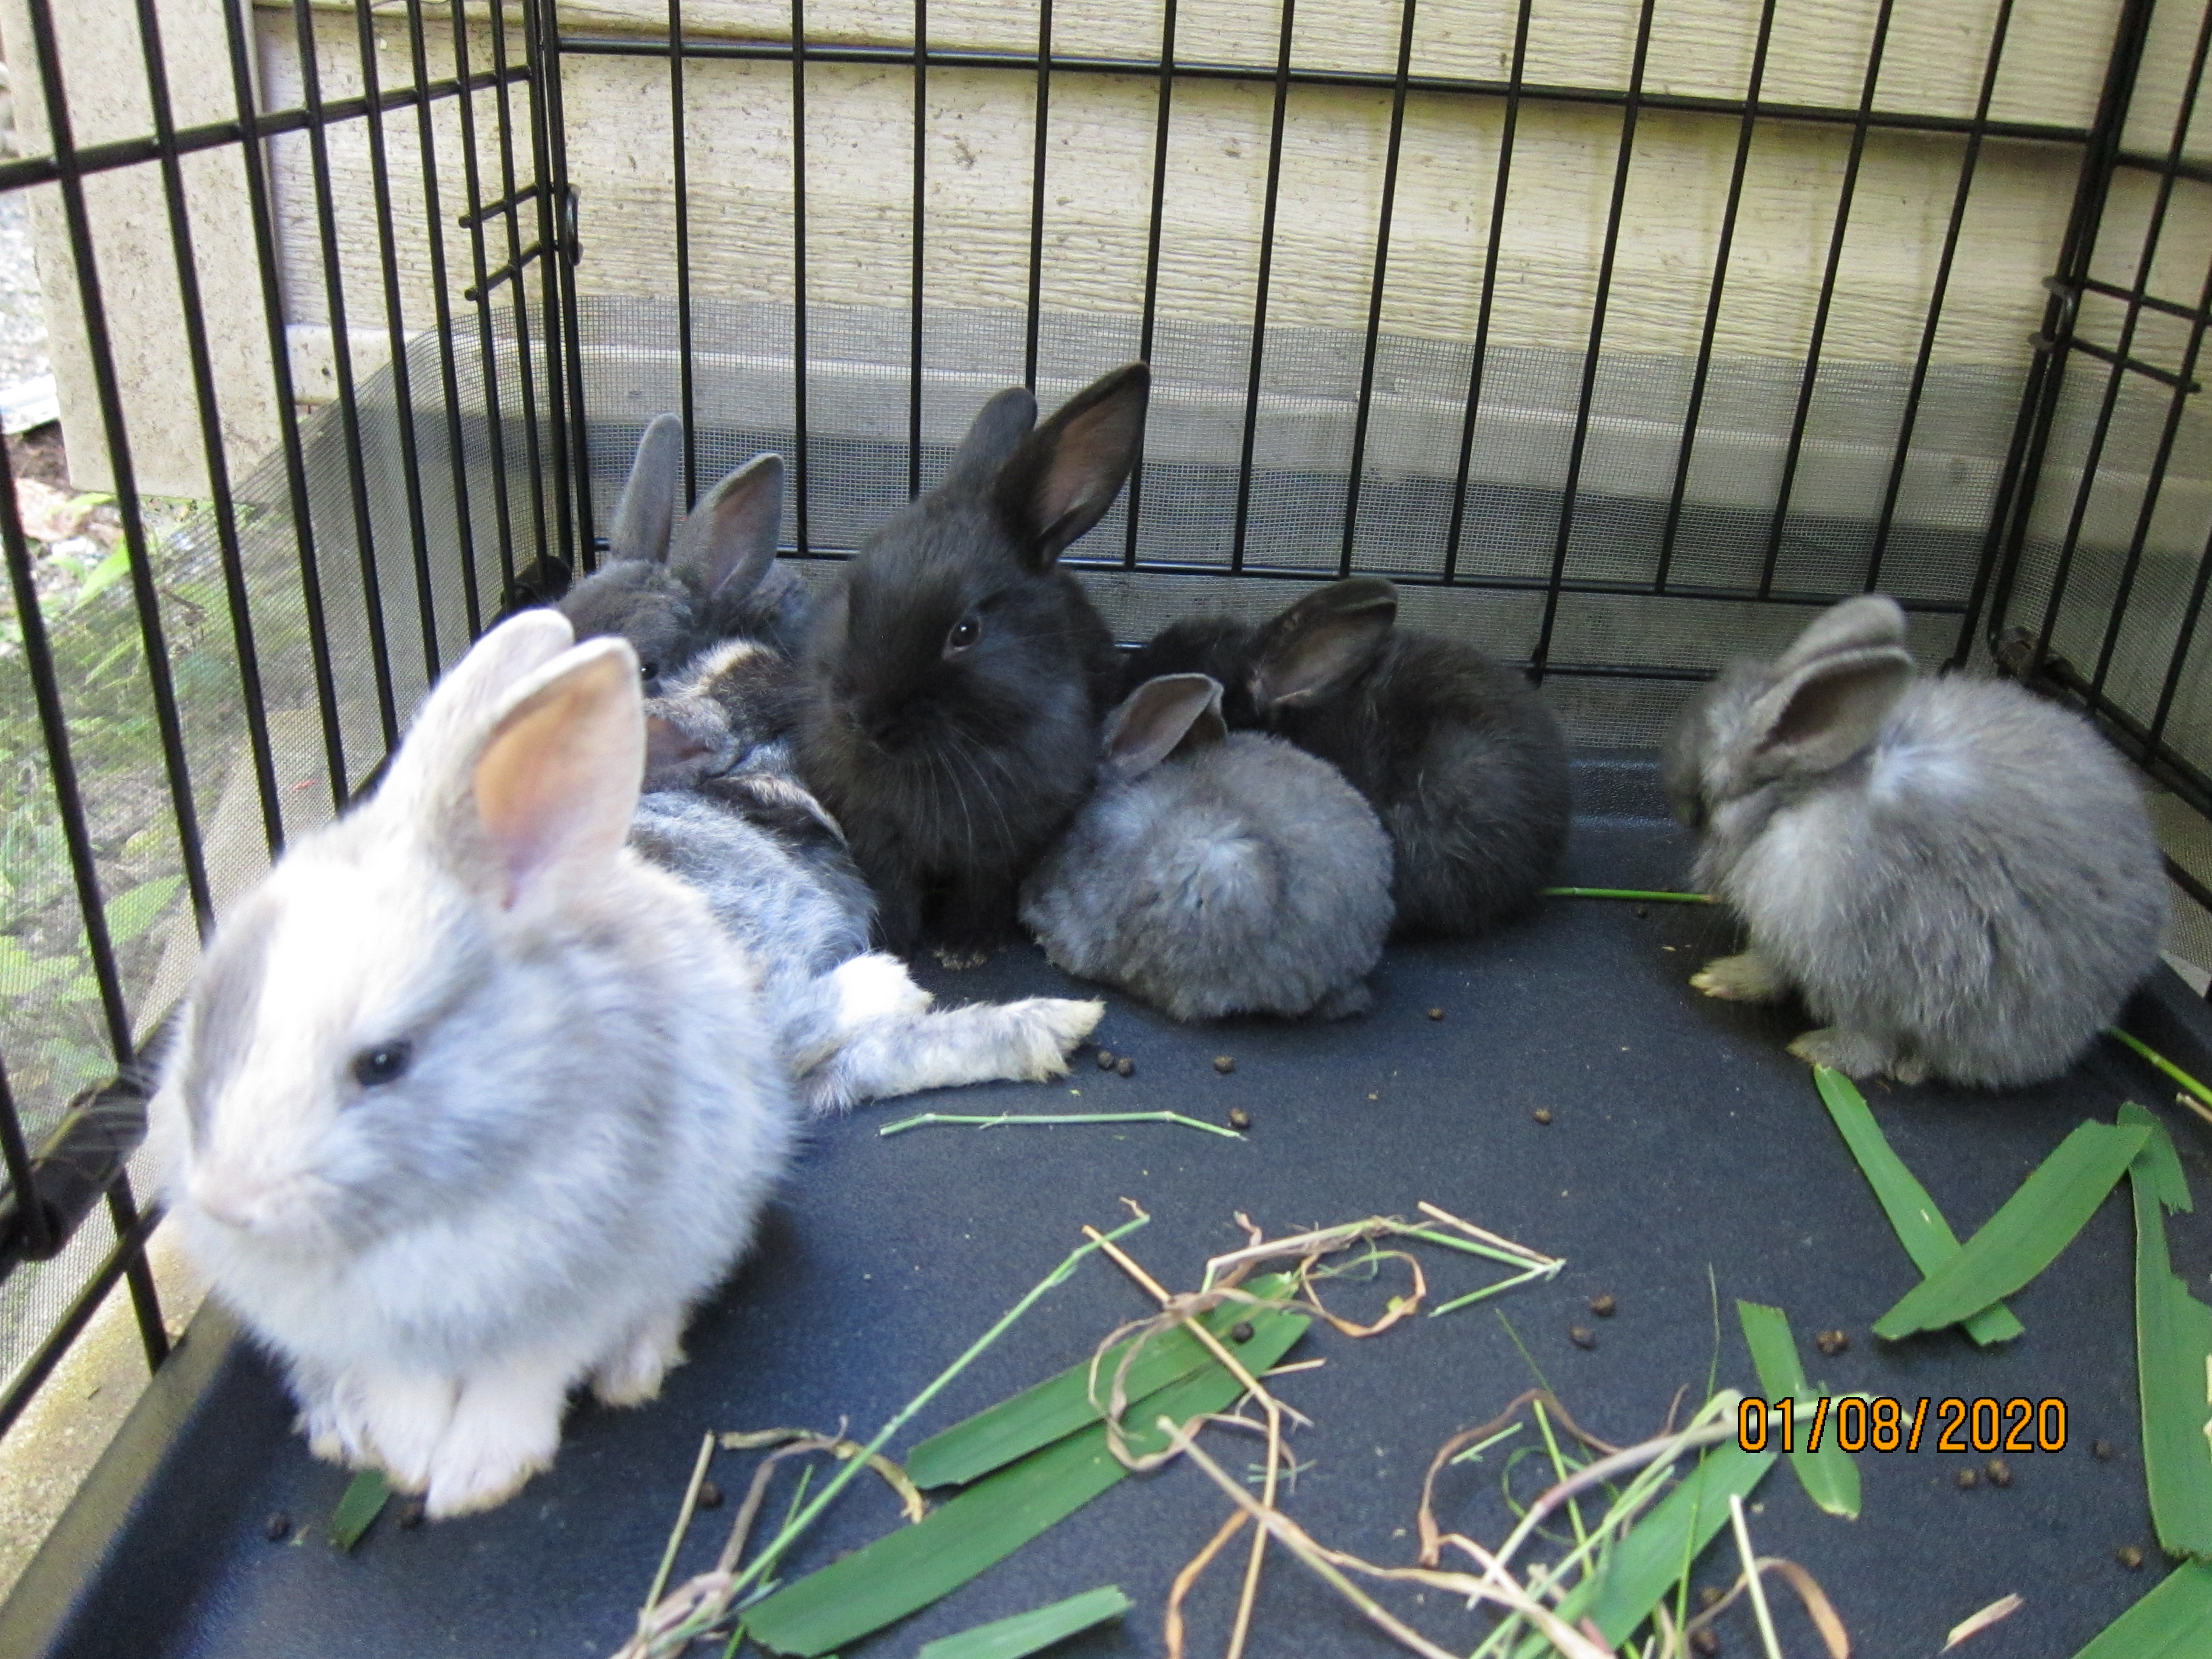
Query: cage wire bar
(265, 555)
(507, 399)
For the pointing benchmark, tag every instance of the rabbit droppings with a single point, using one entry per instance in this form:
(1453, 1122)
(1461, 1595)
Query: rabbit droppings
(960, 674)
(1457, 754)
(1959, 877)
(468, 1103)
(725, 809)
(1214, 873)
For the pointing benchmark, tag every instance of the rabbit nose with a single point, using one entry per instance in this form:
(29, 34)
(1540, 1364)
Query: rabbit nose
(229, 1202)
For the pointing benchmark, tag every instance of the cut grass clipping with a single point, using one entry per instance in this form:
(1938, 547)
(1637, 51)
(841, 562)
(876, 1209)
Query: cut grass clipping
(2025, 1235)
(1037, 1119)
(1823, 1468)
(364, 1500)
(1927, 1237)
(1026, 1633)
(909, 1568)
(1062, 1405)
(2173, 1353)
(2169, 1623)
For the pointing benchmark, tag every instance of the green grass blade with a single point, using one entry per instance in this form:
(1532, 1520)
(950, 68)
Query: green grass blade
(2162, 1063)
(2024, 1236)
(2173, 1351)
(1025, 1632)
(1629, 893)
(364, 1500)
(914, 1566)
(1062, 1405)
(2167, 1623)
(1831, 1480)
(1920, 1227)
(1660, 1549)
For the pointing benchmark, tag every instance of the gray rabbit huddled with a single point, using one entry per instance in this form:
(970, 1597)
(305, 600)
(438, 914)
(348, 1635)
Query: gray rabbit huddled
(672, 600)
(1959, 878)
(1213, 872)
(724, 808)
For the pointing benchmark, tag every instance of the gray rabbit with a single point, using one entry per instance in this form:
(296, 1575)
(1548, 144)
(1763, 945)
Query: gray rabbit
(724, 808)
(1959, 878)
(671, 602)
(1213, 872)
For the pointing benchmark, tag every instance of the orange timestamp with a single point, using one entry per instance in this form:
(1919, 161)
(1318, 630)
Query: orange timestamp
(1855, 1422)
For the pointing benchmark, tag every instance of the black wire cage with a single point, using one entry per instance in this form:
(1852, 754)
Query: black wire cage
(1620, 337)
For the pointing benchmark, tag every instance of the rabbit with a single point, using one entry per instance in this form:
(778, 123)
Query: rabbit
(723, 810)
(1457, 755)
(670, 604)
(1959, 878)
(468, 1103)
(1213, 872)
(960, 675)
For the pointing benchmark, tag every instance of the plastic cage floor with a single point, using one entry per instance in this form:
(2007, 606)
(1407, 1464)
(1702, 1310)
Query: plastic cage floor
(1686, 1154)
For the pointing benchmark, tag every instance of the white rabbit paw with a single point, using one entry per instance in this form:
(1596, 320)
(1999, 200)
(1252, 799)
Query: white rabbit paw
(505, 1428)
(1745, 978)
(1852, 1052)
(631, 1374)
(404, 1417)
(1042, 1031)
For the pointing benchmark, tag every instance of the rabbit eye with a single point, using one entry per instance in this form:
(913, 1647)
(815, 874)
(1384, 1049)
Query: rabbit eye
(964, 634)
(385, 1063)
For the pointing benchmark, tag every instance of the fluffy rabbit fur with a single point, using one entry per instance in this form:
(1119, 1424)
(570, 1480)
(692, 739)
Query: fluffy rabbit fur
(724, 808)
(468, 1103)
(1456, 753)
(672, 603)
(1959, 878)
(1214, 874)
(960, 675)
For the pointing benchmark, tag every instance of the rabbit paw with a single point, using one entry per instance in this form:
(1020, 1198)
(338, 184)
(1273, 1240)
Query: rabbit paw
(1852, 1052)
(960, 961)
(1745, 978)
(631, 1374)
(505, 1428)
(405, 1416)
(1042, 1031)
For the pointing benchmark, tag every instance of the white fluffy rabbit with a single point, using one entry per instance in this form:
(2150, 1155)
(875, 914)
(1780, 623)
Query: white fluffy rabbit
(468, 1103)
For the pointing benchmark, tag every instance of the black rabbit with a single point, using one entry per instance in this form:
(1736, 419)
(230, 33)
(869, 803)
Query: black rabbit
(959, 677)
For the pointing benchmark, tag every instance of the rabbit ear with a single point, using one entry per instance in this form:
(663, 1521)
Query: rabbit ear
(1159, 717)
(547, 796)
(466, 700)
(1867, 623)
(1065, 475)
(728, 542)
(1324, 641)
(1827, 711)
(648, 508)
(997, 430)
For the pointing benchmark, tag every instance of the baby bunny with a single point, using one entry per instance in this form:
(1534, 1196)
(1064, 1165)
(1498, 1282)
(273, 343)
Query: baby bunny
(1457, 754)
(960, 674)
(1213, 873)
(670, 604)
(469, 1104)
(1959, 878)
(724, 810)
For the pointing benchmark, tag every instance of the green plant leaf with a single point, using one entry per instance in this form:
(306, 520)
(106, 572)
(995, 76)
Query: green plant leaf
(135, 910)
(21, 973)
(104, 576)
(1660, 1549)
(1920, 1227)
(2025, 1235)
(913, 1567)
(1831, 1480)
(2169, 1623)
(2173, 1353)
(1025, 1632)
(1062, 1405)
(364, 1500)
